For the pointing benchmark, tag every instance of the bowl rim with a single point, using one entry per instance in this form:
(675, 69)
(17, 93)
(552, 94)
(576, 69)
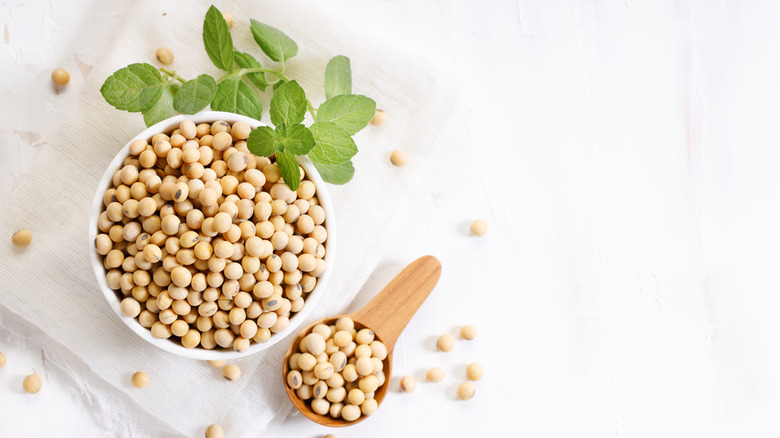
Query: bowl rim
(167, 344)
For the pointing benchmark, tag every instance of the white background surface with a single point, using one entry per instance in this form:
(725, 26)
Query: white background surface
(624, 154)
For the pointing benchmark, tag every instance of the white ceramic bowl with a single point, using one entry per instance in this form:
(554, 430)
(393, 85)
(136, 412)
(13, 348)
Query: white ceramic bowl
(171, 345)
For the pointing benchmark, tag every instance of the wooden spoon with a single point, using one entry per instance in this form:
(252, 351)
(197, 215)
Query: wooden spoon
(386, 315)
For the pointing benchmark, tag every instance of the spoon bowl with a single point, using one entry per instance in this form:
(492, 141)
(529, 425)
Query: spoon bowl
(387, 314)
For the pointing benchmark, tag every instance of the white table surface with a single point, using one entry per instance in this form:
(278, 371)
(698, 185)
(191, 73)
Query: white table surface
(624, 154)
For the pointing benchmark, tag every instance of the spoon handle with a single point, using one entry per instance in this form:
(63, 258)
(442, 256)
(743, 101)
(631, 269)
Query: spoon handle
(389, 312)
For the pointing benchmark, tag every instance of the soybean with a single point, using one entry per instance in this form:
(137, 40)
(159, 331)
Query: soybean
(320, 406)
(479, 227)
(468, 332)
(140, 379)
(408, 384)
(445, 343)
(21, 238)
(434, 374)
(215, 431)
(465, 391)
(31, 384)
(231, 372)
(474, 371)
(379, 117)
(294, 379)
(164, 55)
(130, 307)
(60, 77)
(350, 412)
(398, 157)
(315, 344)
(229, 20)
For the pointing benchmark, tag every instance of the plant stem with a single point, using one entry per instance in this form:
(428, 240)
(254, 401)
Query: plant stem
(263, 70)
(172, 74)
(243, 71)
(278, 73)
(238, 73)
(312, 110)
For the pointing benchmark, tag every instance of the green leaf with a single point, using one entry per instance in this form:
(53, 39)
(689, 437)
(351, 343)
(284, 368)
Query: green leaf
(350, 111)
(134, 88)
(289, 167)
(280, 138)
(288, 104)
(235, 96)
(195, 95)
(162, 109)
(334, 145)
(245, 60)
(274, 43)
(261, 141)
(336, 173)
(279, 84)
(338, 77)
(217, 39)
(299, 140)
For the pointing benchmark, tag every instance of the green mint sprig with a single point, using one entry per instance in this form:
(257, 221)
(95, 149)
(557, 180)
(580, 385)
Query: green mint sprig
(328, 143)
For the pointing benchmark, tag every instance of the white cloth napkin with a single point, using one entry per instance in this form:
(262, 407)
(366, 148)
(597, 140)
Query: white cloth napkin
(50, 283)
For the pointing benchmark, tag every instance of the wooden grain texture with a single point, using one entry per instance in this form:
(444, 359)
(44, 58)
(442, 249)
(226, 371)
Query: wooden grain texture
(387, 314)
(390, 311)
